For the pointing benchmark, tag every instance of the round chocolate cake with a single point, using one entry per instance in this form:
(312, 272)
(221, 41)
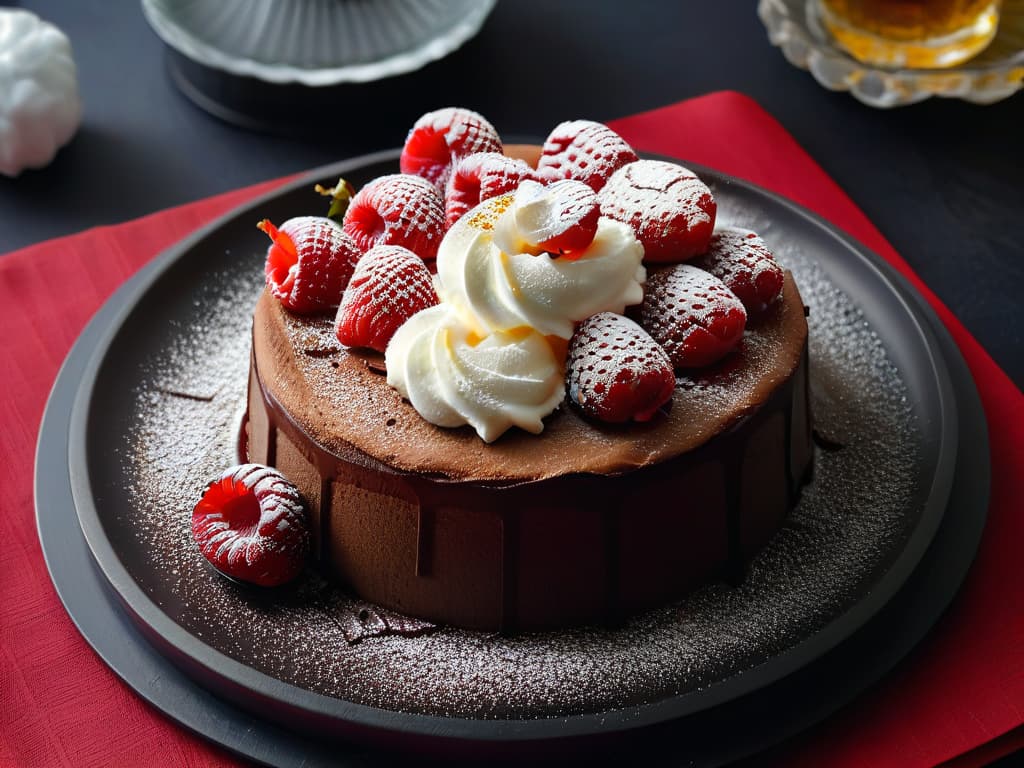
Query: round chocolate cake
(584, 523)
(524, 456)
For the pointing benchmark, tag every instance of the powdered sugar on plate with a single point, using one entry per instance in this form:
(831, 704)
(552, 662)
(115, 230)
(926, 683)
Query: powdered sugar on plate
(850, 523)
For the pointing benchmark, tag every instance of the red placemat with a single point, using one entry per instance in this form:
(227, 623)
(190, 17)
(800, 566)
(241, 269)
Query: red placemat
(962, 689)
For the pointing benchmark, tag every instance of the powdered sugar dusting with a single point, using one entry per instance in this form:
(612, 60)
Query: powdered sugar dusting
(397, 209)
(741, 259)
(325, 255)
(480, 177)
(554, 216)
(585, 151)
(389, 286)
(440, 136)
(692, 315)
(849, 522)
(616, 371)
(670, 209)
(464, 131)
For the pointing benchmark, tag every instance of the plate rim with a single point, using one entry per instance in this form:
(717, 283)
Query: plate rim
(299, 702)
(112, 633)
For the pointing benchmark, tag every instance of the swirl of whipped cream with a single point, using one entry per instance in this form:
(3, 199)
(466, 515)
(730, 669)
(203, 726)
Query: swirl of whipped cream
(453, 377)
(498, 281)
(485, 356)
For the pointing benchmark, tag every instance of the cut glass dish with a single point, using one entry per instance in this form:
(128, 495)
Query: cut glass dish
(994, 74)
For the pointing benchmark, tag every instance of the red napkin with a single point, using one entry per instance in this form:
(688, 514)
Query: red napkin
(962, 689)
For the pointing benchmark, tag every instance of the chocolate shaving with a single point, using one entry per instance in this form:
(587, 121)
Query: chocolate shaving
(359, 621)
(372, 359)
(187, 395)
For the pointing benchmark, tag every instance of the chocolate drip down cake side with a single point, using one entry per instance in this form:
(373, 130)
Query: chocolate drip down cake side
(522, 389)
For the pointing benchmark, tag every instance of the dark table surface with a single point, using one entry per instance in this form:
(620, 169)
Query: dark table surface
(943, 180)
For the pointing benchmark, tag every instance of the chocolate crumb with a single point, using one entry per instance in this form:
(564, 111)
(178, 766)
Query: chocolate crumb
(372, 359)
(320, 351)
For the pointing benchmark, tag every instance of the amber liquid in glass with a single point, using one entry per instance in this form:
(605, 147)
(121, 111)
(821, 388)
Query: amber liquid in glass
(911, 33)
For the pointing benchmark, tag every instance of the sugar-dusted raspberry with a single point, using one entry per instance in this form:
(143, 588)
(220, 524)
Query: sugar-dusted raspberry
(252, 526)
(671, 211)
(438, 138)
(741, 260)
(560, 218)
(480, 177)
(616, 372)
(692, 315)
(585, 151)
(309, 263)
(390, 285)
(398, 209)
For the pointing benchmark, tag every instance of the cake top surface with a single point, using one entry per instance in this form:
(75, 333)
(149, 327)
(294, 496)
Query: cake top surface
(341, 399)
(576, 311)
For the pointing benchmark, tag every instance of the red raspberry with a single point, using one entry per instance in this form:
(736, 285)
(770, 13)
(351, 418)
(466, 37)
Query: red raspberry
(480, 177)
(251, 525)
(669, 208)
(439, 138)
(616, 372)
(309, 263)
(585, 151)
(390, 285)
(741, 260)
(560, 218)
(692, 315)
(398, 209)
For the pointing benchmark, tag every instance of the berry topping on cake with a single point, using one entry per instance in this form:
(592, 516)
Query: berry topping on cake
(439, 138)
(560, 218)
(616, 372)
(390, 285)
(398, 209)
(669, 208)
(585, 151)
(741, 260)
(251, 525)
(309, 263)
(692, 315)
(480, 177)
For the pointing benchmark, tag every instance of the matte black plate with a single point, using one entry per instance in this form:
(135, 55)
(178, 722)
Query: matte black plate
(825, 670)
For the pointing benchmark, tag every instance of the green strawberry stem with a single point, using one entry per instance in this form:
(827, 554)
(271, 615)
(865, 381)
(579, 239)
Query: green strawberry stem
(341, 195)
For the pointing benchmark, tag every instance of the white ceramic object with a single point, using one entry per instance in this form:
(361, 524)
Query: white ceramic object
(316, 42)
(994, 74)
(40, 109)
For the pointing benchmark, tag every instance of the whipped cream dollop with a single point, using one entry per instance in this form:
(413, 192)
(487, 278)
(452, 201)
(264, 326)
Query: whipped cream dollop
(488, 354)
(453, 377)
(489, 270)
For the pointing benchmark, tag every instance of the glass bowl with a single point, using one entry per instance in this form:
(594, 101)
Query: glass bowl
(315, 42)
(992, 75)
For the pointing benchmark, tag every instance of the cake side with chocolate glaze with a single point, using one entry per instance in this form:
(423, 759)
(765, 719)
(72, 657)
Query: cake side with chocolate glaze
(585, 523)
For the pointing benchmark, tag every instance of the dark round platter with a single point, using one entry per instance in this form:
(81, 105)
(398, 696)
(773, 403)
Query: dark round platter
(214, 694)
